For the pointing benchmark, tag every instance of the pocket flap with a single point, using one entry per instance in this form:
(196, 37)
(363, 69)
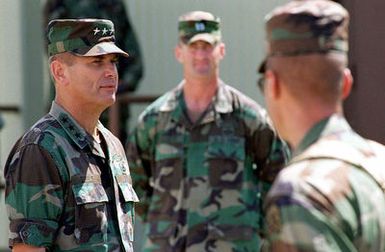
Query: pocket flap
(232, 147)
(169, 147)
(124, 182)
(89, 191)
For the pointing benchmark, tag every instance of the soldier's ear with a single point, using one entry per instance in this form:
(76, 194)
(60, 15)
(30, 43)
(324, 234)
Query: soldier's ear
(222, 49)
(58, 71)
(347, 83)
(178, 52)
(272, 86)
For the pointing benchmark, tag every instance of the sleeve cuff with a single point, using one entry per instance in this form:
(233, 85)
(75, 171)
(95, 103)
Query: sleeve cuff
(39, 234)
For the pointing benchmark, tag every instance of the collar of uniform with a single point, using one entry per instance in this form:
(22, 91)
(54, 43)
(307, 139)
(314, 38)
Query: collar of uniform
(171, 101)
(69, 124)
(223, 101)
(95, 146)
(332, 125)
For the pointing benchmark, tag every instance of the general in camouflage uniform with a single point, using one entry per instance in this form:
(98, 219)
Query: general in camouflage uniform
(69, 189)
(130, 69)
(201, 181)
(330, 197)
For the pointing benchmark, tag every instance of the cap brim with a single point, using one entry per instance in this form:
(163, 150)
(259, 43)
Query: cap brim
(105, 48)
(207, 37)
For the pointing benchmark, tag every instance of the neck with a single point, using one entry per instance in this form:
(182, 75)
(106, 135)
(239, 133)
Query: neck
(86, 118)
(200, 88)
(199, 92)
(301, 120)
(198, 96)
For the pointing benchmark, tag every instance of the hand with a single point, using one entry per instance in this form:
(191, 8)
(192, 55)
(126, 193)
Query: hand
(21, 247)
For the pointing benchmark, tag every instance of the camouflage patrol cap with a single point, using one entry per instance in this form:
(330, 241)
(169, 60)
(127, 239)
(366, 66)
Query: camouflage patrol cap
(306, 26)
(199, 25)
(84, 37)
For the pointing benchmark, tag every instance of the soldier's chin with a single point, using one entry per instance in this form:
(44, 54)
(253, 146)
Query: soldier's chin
(108, 102)
(203, 70)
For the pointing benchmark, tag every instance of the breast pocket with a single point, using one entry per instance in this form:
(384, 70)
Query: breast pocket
(169, 155)
(226, 156)
(90, 210)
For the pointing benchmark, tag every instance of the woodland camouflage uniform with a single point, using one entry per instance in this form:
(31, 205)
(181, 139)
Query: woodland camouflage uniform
(201, 185)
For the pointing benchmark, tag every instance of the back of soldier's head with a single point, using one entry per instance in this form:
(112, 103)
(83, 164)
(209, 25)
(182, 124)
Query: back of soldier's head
(307, 44)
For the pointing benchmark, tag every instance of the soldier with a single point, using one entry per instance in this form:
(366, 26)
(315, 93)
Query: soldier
(130, 68)
(329, 197)
(203, 154)
(68, 186)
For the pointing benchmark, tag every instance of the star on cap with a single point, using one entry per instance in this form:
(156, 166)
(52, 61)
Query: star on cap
(104, 31)
(112, 31)
(96, 31)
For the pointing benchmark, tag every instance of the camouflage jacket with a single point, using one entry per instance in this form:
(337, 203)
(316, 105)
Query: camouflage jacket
(201, 184)
(328, 201)
(65, 191)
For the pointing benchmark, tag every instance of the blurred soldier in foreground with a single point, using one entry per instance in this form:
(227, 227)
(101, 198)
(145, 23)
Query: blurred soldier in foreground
(203, 154)
(329, 197)
(68, 186)
(130, 69)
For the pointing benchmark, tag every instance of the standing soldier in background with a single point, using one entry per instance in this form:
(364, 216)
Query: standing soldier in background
(330, 197)
(203, 154)
(130, 69)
